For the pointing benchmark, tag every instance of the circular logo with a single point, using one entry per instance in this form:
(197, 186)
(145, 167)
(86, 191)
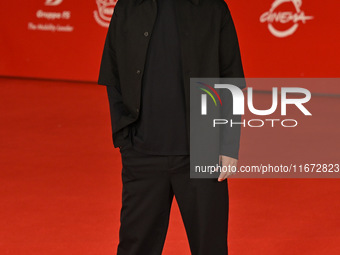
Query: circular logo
(104, 11)
(273, 17)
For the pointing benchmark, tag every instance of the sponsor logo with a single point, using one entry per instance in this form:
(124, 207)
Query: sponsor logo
(104, 12)
(53, 15)
(292, 19)
(51, 21)
(53, 2)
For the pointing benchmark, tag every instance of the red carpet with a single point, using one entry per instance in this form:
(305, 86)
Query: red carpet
(60, 180)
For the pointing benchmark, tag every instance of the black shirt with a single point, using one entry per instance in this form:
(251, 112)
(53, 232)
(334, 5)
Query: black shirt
(161, 128)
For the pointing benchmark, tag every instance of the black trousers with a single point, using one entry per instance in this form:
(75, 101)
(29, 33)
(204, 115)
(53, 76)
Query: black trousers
(149, 184)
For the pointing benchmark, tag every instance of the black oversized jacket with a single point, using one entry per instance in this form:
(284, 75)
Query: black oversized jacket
(209, 48)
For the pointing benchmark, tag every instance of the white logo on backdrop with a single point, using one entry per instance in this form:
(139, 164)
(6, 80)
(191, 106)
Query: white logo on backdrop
(283, 17)
(104, 12)
(51, 21)
(53, 2)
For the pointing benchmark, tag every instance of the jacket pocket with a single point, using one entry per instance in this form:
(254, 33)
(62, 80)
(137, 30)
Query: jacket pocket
(120, 137)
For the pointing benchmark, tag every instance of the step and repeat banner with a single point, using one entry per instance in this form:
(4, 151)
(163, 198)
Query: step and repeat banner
(63, 39)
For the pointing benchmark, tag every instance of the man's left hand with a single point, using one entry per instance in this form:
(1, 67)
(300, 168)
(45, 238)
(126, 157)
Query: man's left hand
(229, 164)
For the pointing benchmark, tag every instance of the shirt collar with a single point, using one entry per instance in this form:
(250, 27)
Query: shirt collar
(193, 1)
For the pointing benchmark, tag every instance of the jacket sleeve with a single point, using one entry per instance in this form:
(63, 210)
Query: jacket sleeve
(109, 76)
(230, 56)
(230, 67)
(108, 73)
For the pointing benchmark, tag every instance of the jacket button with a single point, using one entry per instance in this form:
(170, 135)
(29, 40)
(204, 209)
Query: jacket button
(146, 34)
(138, 71)
(137, 110)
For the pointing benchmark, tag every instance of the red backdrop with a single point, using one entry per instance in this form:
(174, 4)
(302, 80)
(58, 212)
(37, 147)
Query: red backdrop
(63, 39)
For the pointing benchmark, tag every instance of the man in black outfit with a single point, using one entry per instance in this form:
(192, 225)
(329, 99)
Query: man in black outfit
(152, 49)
